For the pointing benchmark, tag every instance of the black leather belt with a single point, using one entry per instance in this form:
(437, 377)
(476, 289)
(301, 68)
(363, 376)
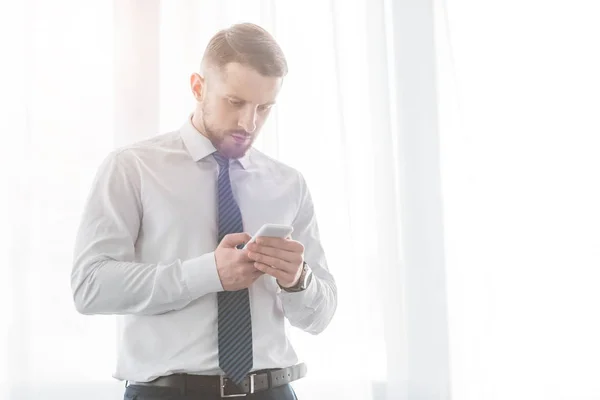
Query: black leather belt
(254, 382)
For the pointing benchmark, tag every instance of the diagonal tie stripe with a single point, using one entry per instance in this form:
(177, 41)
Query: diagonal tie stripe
(235, 321)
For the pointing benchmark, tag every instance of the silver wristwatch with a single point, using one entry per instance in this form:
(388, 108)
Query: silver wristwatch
(303, 282)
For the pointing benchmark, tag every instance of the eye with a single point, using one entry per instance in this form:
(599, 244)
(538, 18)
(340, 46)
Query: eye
(235, 103)
(265, 107)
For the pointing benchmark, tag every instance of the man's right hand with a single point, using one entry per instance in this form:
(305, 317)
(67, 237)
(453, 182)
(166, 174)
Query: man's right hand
(236, 270)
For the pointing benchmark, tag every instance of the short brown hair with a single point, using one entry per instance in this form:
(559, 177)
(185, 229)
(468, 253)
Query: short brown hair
(247, 44)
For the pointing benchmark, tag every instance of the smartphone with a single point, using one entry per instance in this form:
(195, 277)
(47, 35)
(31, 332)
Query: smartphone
(272, 230)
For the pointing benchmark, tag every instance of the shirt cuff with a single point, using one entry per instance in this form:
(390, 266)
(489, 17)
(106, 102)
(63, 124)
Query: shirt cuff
(300, 301)
(200, 275)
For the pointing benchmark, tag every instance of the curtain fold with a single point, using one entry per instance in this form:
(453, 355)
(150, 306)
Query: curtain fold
(420, 200)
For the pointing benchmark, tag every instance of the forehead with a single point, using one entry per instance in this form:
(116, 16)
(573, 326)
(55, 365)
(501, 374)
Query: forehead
(247, 84)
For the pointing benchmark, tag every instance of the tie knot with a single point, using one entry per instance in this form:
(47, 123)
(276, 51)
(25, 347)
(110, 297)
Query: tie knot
(221, 159)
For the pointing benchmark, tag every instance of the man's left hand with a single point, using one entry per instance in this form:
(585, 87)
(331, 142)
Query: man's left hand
(281, 258)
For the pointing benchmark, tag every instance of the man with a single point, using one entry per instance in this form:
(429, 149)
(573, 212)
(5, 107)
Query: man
(160, 240)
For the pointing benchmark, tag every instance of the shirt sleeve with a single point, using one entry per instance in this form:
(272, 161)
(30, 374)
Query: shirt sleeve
(312, 309)
(105, 278)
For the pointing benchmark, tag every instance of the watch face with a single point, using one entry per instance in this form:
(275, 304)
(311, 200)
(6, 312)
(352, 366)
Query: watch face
(307, 276)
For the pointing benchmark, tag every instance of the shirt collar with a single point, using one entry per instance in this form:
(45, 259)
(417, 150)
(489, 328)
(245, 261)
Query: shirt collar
(200, 147)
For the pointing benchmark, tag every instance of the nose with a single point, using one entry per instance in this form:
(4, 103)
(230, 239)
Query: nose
(247, 120)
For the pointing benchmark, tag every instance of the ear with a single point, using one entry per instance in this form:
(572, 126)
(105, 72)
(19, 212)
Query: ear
(197, 86)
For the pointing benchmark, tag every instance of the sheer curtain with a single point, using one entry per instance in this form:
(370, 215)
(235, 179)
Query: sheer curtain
(520, 153)
(81, 78)
(479, 282)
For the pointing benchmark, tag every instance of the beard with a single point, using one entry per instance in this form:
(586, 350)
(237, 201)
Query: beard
(224, 142)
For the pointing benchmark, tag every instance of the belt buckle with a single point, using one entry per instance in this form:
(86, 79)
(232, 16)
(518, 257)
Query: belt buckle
(223, 380)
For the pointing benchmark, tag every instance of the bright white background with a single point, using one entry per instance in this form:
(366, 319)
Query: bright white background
(451, 148)
(520, 140)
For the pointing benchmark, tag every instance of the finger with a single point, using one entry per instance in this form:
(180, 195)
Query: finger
(279, 243)
(272, 261)
(234, 239)
(285, 255)
(274, 272)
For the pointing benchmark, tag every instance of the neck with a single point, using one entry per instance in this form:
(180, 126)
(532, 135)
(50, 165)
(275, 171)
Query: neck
(197, 123)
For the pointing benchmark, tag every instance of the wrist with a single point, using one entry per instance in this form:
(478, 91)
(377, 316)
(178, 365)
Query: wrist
(292, 285)
(302, 282)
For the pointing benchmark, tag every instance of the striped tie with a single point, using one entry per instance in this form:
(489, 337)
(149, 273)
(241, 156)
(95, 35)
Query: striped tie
(235, 323)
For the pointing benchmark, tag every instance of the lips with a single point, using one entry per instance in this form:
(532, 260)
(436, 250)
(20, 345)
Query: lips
(240, 138)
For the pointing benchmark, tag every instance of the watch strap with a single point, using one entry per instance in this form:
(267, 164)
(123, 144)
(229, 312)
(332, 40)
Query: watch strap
(301, 284)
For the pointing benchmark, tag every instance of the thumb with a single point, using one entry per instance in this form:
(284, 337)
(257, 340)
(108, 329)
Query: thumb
(234, 239)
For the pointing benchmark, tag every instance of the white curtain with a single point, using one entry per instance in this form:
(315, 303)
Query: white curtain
(451, 148)
(520, 149)
(81, 78)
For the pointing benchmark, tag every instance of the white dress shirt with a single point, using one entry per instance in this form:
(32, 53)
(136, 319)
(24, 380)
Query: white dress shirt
(145, 252)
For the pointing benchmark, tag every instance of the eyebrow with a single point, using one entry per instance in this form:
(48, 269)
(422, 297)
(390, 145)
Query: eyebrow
(245, 101)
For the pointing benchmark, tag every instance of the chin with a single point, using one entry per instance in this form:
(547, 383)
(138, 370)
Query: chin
(235, 151)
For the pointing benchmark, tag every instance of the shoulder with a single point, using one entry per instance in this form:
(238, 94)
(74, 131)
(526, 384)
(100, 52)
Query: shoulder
(275, 169)
(146, 154)
(134, 160)
(163, 144)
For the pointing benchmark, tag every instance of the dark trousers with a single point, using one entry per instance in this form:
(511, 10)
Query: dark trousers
(134, 392)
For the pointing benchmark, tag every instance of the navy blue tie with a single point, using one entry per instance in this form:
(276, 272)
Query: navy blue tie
(235, 322)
